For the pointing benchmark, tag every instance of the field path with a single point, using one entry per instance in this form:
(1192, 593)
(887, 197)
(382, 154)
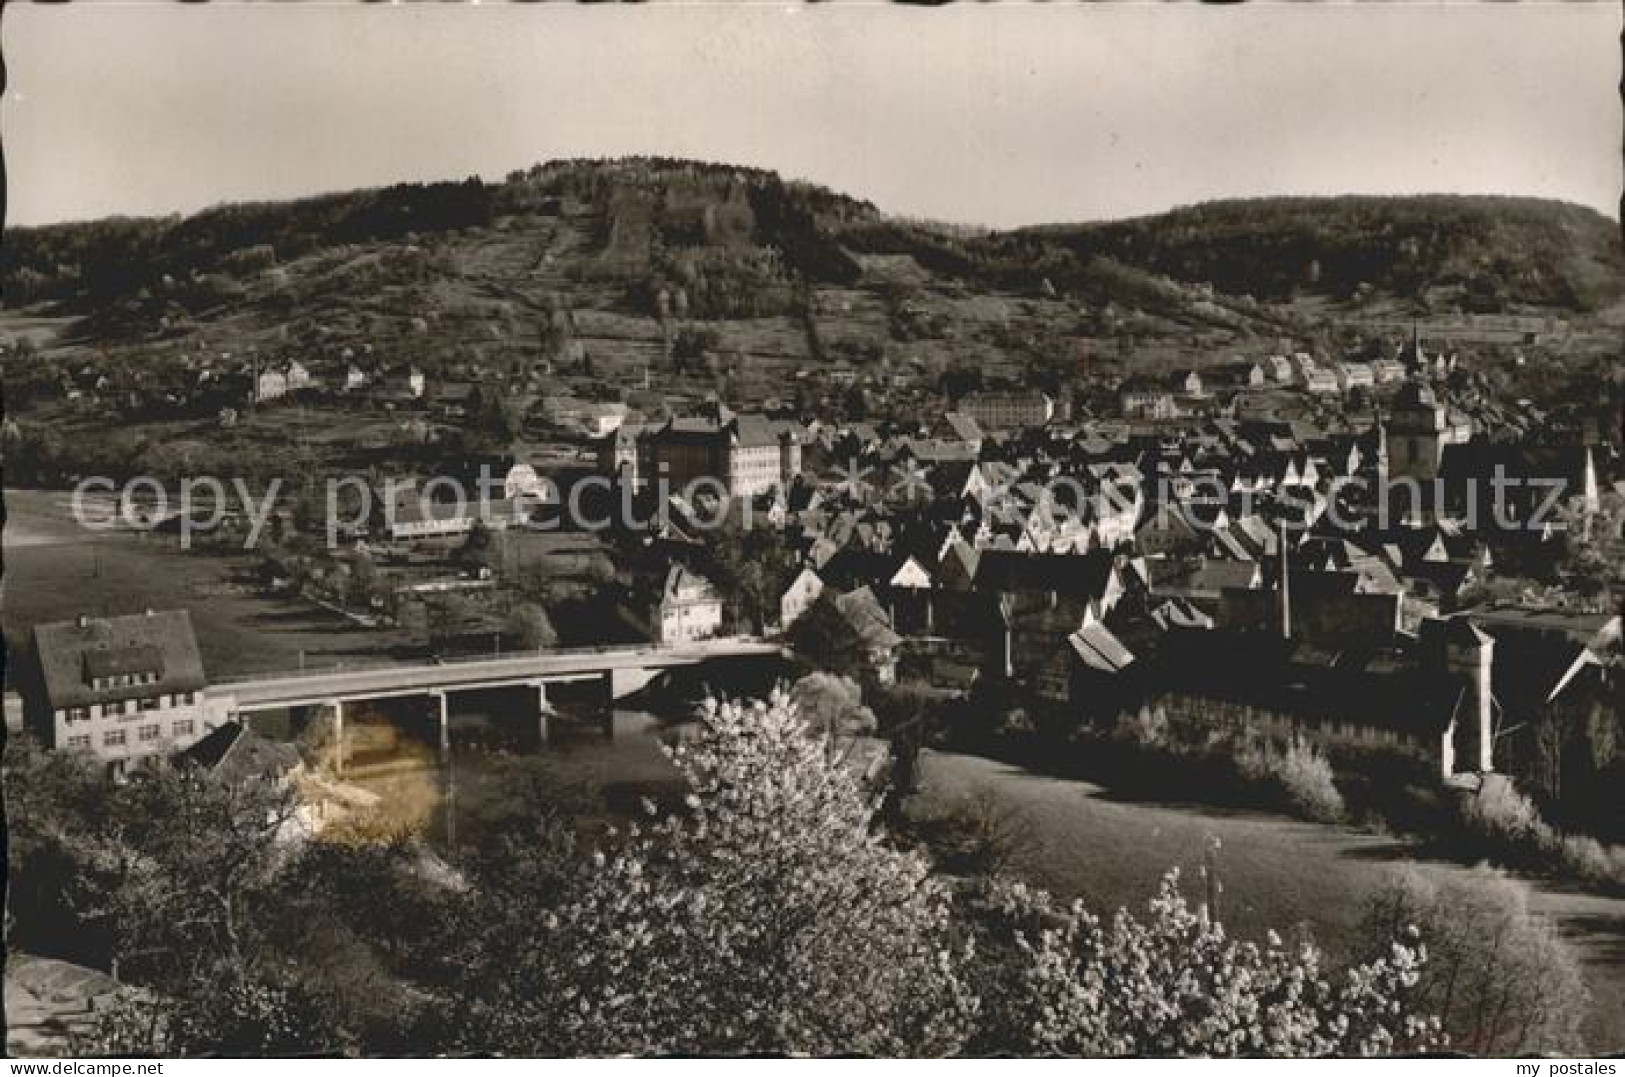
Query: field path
(1075, 840)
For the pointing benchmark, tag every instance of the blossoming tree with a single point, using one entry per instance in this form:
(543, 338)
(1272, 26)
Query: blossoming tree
(773, 917)
(1176, 983)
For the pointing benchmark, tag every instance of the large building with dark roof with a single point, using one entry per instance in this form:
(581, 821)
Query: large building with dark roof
(747, 455)
(122, 688)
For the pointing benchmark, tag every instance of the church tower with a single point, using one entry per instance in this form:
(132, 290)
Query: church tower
(1414, 442)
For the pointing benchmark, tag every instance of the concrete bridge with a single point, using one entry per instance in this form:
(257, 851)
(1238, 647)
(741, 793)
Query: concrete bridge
(619, 669)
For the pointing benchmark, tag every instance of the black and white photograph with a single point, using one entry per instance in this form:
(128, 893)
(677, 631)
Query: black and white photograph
(826, 531)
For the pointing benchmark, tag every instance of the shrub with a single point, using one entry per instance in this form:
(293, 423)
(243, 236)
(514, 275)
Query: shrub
(978, 836)
(1016, 722)
(1145, 727)
(1173, 981)
(1504, 825)
(1305, 776)
(832, 706)
(1501, 815)
(1593, 862)
(1500, 977)
(1299, 773)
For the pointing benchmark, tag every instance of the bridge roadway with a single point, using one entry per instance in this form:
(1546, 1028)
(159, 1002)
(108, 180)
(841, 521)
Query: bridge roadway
(332, 688)
(318, 687)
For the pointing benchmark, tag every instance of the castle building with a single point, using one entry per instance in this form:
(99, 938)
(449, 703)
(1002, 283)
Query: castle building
(747, 455)
(1013, 409)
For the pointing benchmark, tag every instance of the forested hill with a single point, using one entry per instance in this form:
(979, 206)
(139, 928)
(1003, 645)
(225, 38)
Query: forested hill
(655, 238)
(1479, 253)
(634, 201)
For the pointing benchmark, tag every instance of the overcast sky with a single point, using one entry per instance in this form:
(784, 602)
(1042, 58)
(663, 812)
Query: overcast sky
(999, 115)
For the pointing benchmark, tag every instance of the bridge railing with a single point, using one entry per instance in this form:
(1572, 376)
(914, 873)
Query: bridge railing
(376, 665)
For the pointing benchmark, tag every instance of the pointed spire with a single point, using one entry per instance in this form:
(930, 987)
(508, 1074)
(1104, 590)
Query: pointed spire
(1412, 354)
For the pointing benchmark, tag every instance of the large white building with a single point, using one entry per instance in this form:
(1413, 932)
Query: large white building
(689, 608)
(120, 689)
(1008, 409)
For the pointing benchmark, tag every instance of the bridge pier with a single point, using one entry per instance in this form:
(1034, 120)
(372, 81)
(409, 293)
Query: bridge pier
(543, 733)
(609, 704)
(445, 725)
(338, 735)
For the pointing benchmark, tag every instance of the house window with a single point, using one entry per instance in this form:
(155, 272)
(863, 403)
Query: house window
(149, 703)
(78, 714)
(80, 743)
(183, 728)
(148, 732)
(113, 738)
(189, 698)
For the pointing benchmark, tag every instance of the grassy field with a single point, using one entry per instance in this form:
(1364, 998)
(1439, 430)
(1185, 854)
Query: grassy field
(1077, 840)
(55, 570)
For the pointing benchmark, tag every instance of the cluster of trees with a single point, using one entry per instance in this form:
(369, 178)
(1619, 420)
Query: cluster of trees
(1506, 827)
(1294, 776)
(88, 265)
(1477, 254)
(792, 218)
(37, 455)
(726, 283)
(176, 883)
(770, 915)
(752, 567)
(531, 626)
(1096, 283)
(1497, 251)
(1499, 977)
(720, 243)
(350, 578)
(43, 454)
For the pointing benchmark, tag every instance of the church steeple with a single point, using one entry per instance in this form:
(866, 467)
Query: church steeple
(1411, 353)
